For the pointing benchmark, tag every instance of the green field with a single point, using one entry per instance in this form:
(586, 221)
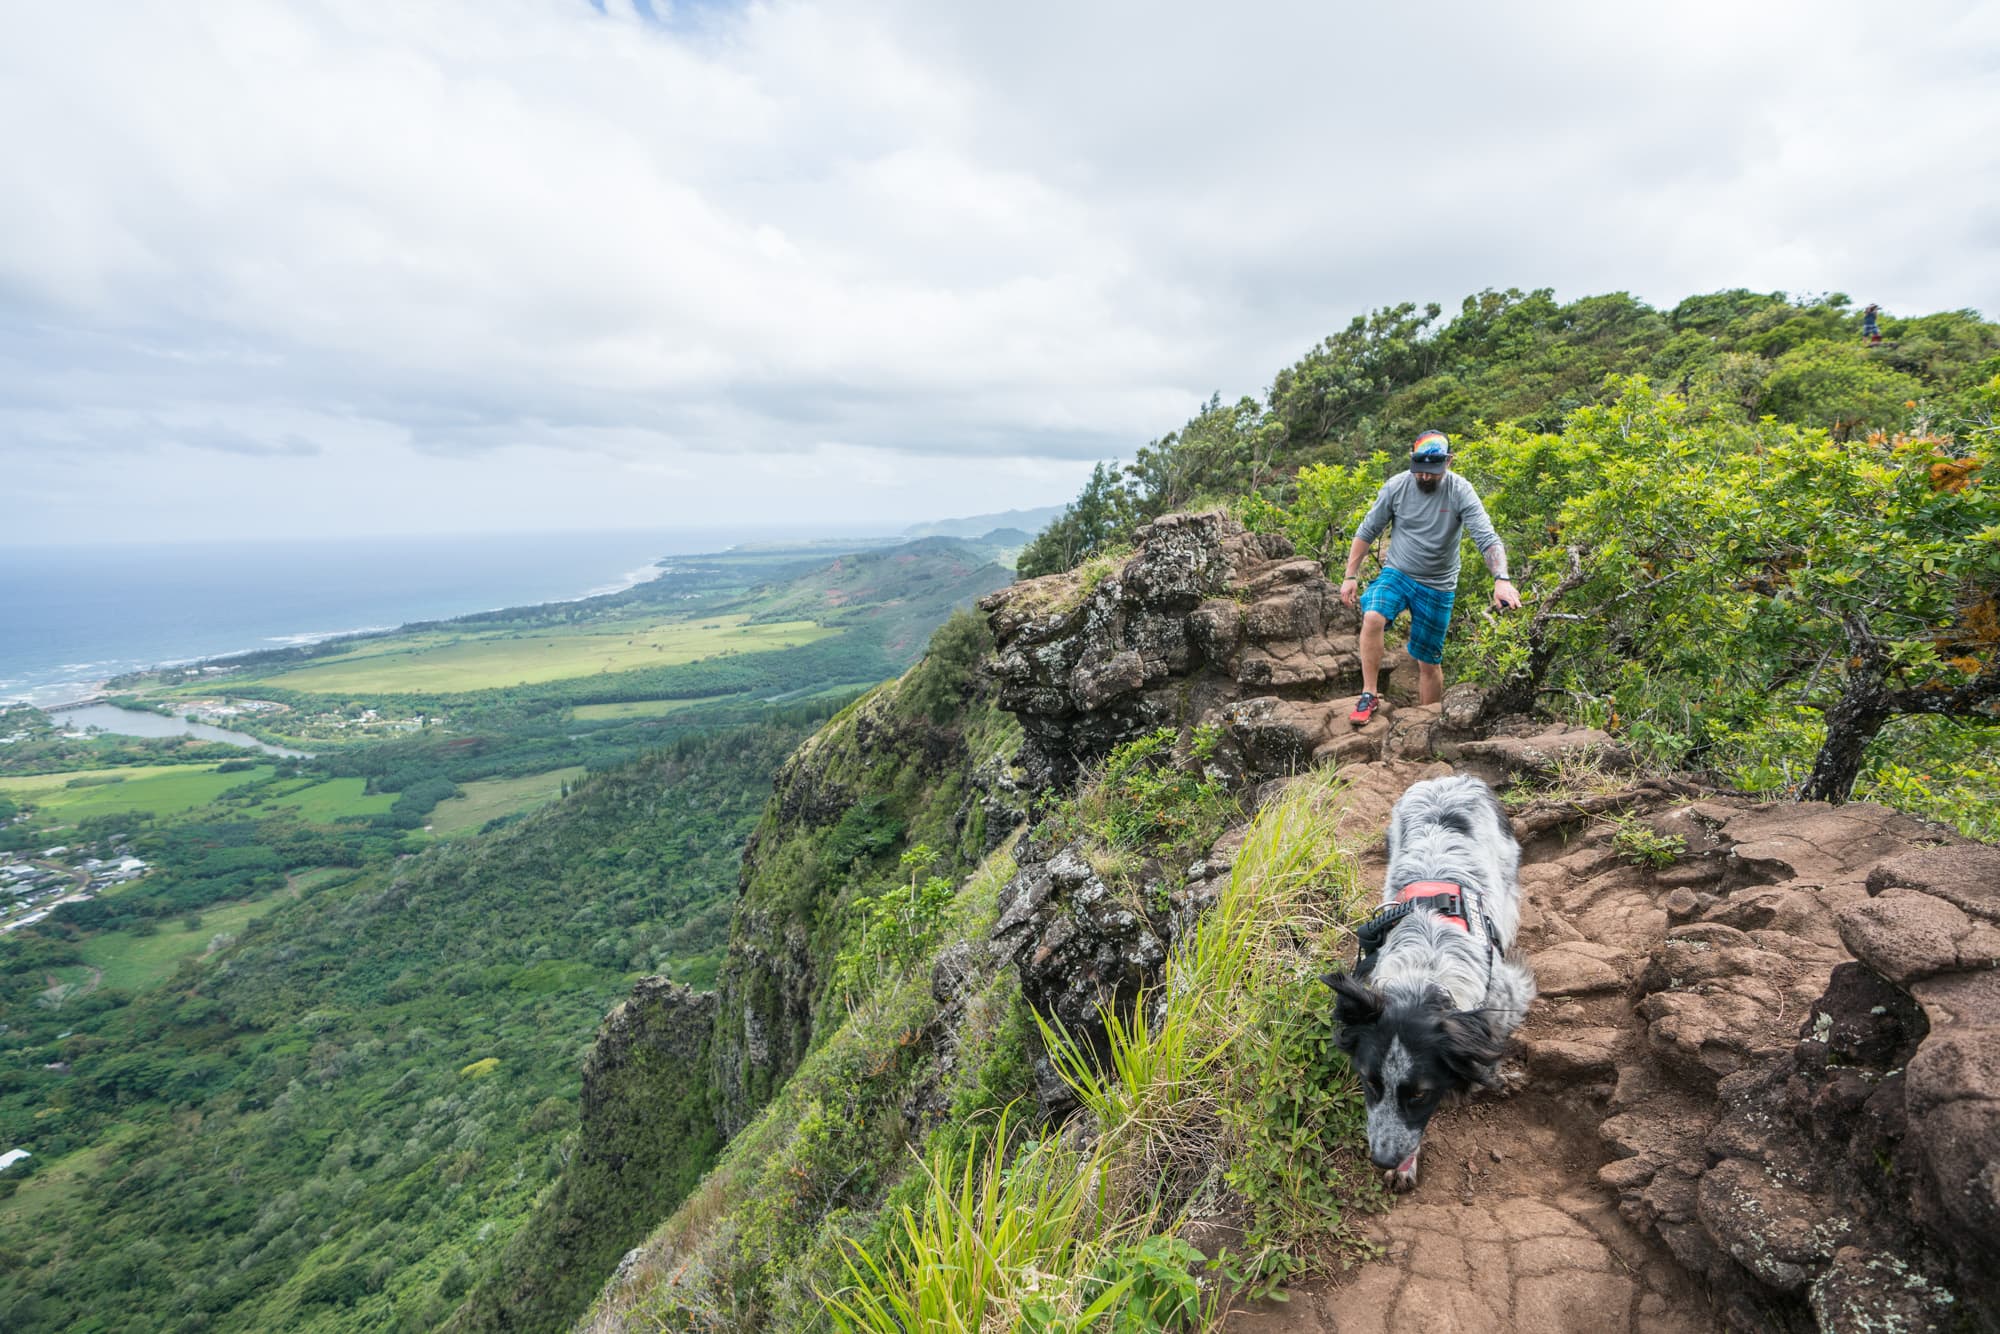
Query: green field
(494, 797)
(21, 786)
(641, 708)
(131, 962)
(161, 789)
(436, 664)
(333, 799)
(300, 881)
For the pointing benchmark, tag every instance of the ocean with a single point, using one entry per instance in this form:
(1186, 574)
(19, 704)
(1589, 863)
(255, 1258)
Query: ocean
(72, 616)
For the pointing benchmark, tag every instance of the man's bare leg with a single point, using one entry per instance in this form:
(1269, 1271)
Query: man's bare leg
(1372, 625)
(1430, 682)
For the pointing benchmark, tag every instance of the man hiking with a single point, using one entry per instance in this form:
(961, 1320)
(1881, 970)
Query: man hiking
(1425, 508)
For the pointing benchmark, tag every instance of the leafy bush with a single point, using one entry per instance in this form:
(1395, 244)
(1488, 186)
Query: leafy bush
(938, 686)
(1159, 1287)
(1099, 518)
(897, 927)
(1642, 845)
(1326, 507)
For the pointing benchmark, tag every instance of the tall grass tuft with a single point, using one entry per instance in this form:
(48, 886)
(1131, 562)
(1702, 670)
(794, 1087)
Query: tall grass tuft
(996, 1237)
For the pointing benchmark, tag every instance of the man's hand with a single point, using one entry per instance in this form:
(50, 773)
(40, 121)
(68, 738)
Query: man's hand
(1350, 590)
(1505, 595)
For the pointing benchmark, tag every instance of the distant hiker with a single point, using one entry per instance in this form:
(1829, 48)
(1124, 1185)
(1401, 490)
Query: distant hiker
(1425, 508)
(1869, 328)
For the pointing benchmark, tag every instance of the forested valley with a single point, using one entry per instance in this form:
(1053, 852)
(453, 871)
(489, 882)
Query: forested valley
(315, 1065)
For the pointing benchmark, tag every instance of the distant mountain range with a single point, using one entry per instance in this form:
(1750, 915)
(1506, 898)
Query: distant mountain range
(978, 525)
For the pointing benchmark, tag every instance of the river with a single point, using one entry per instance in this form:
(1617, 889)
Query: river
(138, 722)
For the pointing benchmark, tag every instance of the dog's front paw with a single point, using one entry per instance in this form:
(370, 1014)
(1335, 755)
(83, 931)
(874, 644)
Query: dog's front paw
(1510, 1078)
(1402, 1178)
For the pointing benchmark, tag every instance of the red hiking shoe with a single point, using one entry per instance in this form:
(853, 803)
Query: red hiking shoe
(1364, 708)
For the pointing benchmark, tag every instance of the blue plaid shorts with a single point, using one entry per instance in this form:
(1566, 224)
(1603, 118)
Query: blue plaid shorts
(1430, 610)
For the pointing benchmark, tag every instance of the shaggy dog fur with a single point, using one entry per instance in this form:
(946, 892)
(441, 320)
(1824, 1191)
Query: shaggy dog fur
(1434, 1014)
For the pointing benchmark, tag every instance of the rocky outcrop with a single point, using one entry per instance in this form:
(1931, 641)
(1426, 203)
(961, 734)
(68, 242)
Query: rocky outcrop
(1209, 623)
(1783, 1037)
(1078, 947)
(1203, 615)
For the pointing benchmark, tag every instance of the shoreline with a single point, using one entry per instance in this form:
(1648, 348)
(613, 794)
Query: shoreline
(82, 693)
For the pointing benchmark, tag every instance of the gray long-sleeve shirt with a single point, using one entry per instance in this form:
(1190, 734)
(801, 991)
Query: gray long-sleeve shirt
(1423, 541)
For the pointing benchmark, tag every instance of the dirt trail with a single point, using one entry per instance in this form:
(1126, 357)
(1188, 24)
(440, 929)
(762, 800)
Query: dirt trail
(1510, 1228)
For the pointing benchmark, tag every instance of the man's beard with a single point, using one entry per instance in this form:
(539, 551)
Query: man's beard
(1429, 484)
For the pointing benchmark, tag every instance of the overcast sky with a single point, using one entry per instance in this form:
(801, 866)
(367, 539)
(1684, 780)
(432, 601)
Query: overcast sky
(290, 267)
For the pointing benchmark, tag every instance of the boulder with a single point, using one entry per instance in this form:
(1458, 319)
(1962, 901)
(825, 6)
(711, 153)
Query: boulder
(1079, 949)
(1579, 968)
(1906, 935)
(1965, 876)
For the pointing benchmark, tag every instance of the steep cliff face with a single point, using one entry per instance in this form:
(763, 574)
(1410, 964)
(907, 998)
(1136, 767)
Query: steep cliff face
(674, 1074)
(648, 1133)
(924, 760)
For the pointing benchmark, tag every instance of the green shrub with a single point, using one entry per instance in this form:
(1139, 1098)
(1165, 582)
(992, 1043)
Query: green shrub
(897, 927)
(1642, 845)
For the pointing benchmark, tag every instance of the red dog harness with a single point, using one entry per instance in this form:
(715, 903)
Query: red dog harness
(1453, 912)
(1441, 898)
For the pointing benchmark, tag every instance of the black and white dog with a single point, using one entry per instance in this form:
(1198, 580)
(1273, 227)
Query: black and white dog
(1431, 1002)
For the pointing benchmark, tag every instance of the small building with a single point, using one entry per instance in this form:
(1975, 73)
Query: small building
(12, 1156)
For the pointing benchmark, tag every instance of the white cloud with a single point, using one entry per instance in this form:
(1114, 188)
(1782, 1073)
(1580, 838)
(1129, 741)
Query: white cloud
(955, 251)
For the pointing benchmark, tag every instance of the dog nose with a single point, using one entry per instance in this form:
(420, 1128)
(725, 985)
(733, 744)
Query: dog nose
(1386, 1161)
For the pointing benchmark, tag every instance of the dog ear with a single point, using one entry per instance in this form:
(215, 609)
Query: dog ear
(1471, 1050)
(1355, 1004)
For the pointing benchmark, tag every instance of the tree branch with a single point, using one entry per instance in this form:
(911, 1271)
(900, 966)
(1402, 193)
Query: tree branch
(1978, 699)
(1517, 693)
